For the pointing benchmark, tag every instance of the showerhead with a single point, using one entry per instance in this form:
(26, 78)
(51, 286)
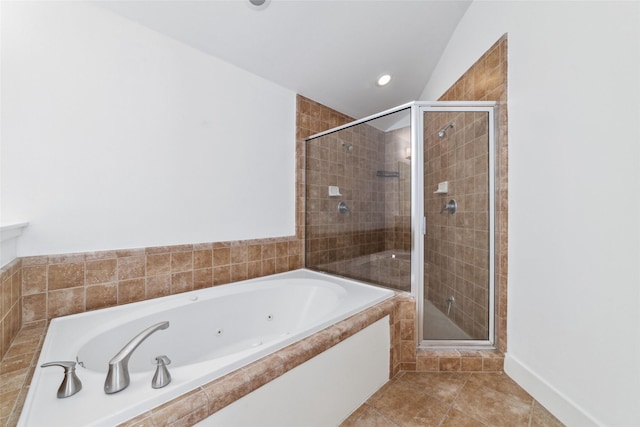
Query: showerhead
(348, 147)
(443, 131)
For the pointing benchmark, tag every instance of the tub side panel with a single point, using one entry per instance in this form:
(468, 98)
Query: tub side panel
(322, 391)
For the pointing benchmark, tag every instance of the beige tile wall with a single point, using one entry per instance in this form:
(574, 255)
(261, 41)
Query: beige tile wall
(10, 303)
(397, 191)
(333, 236)
(486, 80)
(58, 285)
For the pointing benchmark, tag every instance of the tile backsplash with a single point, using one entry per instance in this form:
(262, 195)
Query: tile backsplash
(10, 303)
(59, 285)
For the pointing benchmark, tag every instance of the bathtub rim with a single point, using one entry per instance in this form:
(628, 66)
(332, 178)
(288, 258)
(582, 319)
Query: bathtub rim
(385, 295)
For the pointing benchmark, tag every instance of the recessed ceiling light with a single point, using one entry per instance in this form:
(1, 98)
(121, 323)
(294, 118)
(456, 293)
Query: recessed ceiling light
(258, 4)
(384, 79)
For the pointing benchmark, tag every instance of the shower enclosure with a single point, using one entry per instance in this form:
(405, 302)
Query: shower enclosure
(405, 199)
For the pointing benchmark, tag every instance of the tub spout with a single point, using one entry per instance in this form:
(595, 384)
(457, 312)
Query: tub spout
(118, 375)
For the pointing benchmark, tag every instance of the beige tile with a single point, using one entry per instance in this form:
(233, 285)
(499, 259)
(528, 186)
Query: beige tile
(12, 381)
(101, 271)
(239, 272)
(34, 307)
(268, 250)
(221, 275)
(449, 364)
(492, 407)
(17, 362)
(202, 278)
(221, 257)
(34, 279)
(239, 254)
(158, 286)
(456, 418)
(405, 406)
(192, 403)
(268, 266)
(471, 364)
(7, 400)
(131, 267)
(443, 386)
(181, 261)
(254, 269)
(202, 259)
(101, 296)
(157, 264)
(61, 276)
(254, 252)
(540, 417)
(500, 382)
(131, 291)
(65, 301)
(181, 282)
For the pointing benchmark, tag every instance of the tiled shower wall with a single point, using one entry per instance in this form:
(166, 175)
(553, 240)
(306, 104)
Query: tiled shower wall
(457, 245)
(398, 190)
(372, 171)
(348, 159)
(486, 80)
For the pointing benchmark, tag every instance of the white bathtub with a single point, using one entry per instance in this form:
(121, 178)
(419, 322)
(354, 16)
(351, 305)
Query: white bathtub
(212, 332)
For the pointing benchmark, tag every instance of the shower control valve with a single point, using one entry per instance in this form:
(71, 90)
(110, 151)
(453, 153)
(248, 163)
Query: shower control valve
(451, 207)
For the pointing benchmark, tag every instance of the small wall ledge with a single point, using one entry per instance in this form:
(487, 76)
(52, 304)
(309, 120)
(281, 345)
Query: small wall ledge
(9, 234)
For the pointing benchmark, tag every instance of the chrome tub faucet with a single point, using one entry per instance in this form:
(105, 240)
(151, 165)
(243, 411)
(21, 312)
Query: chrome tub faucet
(118, 375)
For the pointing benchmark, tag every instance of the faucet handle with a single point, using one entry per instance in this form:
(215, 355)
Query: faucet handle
(71, 384)
(162, 376)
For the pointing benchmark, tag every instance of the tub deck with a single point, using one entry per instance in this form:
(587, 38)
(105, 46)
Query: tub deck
(198, 404)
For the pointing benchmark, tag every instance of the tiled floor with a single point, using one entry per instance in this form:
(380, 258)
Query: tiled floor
(443, 399)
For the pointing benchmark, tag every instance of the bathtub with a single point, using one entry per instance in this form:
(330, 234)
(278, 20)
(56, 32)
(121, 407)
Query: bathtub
(212, 332)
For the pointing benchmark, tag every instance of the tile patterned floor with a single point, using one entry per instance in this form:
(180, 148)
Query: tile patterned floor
(443, 399)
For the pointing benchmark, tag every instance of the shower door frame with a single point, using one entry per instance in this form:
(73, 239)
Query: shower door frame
(418, 216)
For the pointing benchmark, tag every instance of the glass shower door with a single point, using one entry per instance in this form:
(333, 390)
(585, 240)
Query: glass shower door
(458, 187)
(358, 201)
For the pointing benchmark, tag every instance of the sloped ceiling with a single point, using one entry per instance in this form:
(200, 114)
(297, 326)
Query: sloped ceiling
(329, 51)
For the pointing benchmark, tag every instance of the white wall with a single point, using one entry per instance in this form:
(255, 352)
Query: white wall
(574, 198)
(114, 136)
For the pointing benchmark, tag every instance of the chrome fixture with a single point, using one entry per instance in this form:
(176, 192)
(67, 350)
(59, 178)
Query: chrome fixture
(71, 384)
(348, 147)
(342, 208)
(450, 302)
(443, 131)
(118, 375)
(450, 207)
(162, 376)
